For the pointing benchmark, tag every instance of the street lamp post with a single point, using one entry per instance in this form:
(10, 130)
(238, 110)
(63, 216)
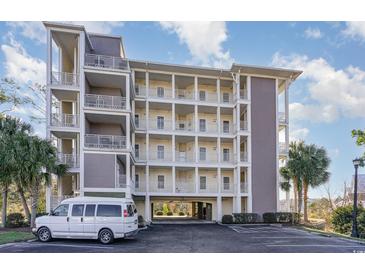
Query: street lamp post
(354, 232)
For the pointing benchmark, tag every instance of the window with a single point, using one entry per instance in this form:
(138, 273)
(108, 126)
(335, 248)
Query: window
(203, 182)
(131, 210)
(202, 96)
(136, 150)
(160, 182)
(202, 154)
(109, 211)
(61, 210)
(137, 89)
(160, 122)
(160, 92)
(226, 185)
(226, 155)
(136, 180)
(90, 210)
(77, 210)
(202, 125)
(226, 126)
(225, 97)
(136, 120)
(160, 152)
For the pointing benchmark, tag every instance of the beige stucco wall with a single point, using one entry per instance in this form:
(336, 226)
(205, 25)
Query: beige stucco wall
(211, 174)
(154, 172)
(227, 206)
(211, 148)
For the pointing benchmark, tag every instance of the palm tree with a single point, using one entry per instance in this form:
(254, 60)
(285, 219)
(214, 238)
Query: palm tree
(315, 172)
(10, 129)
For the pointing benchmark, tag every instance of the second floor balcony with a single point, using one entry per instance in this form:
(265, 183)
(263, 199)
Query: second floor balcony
(71, 160)
(105, 102)
(183, 125)
(106, 62)
(66, 79)
(105, 142)
(65, 120)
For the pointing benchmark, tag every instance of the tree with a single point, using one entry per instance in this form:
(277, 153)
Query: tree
(10, 129)
(315, 171)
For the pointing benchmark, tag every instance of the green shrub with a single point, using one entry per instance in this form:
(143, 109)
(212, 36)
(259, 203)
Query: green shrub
(227, 219)
(15, 220)
(342, 220)
(181, 213)
(280, 217)
(170, 213)
(159, 213)
(245, 218)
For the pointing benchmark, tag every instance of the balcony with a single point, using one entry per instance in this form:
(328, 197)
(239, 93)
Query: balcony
(243, 94)
(283, 148)
(184, 186)
(160, 93)
(140, 186)
(160, 187)
(208, 97)
(208, 158)
(71, 160)
(228, 158)
(227, 187)
(105, 141)
(227, 130)
(65, 120)
(160, 156)
(140, 124)
(208, 188)
(184, 157)
(160, 124)
(227, 98)
(140, 90)
(243, 187)
(106, 62)
(105, 102)
(139, 156)
(243, 125)
(65, 79)
(282, 118)
(184, 126)
(184, 95)
(208, 129)
(243, 156)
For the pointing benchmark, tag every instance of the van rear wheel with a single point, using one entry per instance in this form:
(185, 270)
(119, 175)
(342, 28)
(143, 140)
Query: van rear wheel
(106, 236)
(44, 234)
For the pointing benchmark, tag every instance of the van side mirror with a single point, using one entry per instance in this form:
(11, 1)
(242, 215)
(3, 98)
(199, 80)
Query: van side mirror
(51, 213)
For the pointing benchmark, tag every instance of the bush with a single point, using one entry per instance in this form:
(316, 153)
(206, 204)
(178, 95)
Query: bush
(15, 220)
(281, 217)
(245, 218)
(159, 213)
(342, 220)
(181, 213)
(170, 213)
(227, 219)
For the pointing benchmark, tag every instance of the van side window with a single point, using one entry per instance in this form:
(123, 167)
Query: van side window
(130, 210)
(77, 210)
(109, 211)
(61, 210)
(90, 211)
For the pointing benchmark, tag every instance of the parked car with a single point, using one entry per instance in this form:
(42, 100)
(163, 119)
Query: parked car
(104, 219)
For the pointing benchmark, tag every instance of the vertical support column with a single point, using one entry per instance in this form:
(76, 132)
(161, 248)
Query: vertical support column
(197, 180)
(128, 130)
(173, 179)
(287, 114)
(218, 91)
(147, 83)
(127, 92)
(219, 122)
(238, 149)
(238, 189)
(173, 117)
(277, 143)
(173, 86)
(238, 87)
(48, 108)
(128, 174)
(219, 180)
(147, 147)
(196, 144)
(196, 87)
(82, 115)
(219, 208)
(196, 118)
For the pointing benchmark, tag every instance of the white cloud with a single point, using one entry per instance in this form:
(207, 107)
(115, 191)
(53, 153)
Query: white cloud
(355, 30)
(20, 66)
(204, 41)
(333, 92)
(297, 134)
(37, 32)
(313, 33)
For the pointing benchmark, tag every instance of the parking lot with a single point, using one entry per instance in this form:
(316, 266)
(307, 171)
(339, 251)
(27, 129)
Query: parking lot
(202, 238)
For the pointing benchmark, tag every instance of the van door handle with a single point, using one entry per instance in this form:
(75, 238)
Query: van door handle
(82, 219)
(68, 219)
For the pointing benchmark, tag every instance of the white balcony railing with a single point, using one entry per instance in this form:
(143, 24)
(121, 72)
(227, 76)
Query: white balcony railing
(185, 95)
(210, 187)
(282, 118)
(156, 124)
(71, 160)
(184, 186)
(243, 156)
(227, 187)
(160, 93)
(164, 187)
(105, 102)
(140, 186)
(283, 148)
(65, 120)
(226, 98)
(227, 158)
(243, 187)
(243, 94)
(139, 155)
(160, 156)
(209, 129)
(106, 62)
(184, 126)
(226, 130)
(184, 156)
(243, 125)
(105, 141)
(65, 79)
(208, 97)
(122, 181)
(140, 90)
(208, 158)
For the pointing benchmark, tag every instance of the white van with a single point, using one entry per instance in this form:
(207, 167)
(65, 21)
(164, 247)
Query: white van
(105, 219)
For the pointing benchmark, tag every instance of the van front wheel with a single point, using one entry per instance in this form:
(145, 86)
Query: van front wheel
(106, 236)
(44, 235)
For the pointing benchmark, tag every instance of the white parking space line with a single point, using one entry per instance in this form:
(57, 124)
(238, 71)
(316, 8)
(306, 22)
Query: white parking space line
(314, 245)
(69, 245)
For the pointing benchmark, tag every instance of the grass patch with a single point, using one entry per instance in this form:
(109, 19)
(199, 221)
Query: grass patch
(14, 236)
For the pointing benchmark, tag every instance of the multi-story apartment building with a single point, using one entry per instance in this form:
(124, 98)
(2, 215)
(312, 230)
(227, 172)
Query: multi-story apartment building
(198, 142)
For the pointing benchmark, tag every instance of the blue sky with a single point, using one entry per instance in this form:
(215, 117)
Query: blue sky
(326, 103)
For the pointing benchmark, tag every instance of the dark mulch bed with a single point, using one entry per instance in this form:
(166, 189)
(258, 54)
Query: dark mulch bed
(20, 229)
